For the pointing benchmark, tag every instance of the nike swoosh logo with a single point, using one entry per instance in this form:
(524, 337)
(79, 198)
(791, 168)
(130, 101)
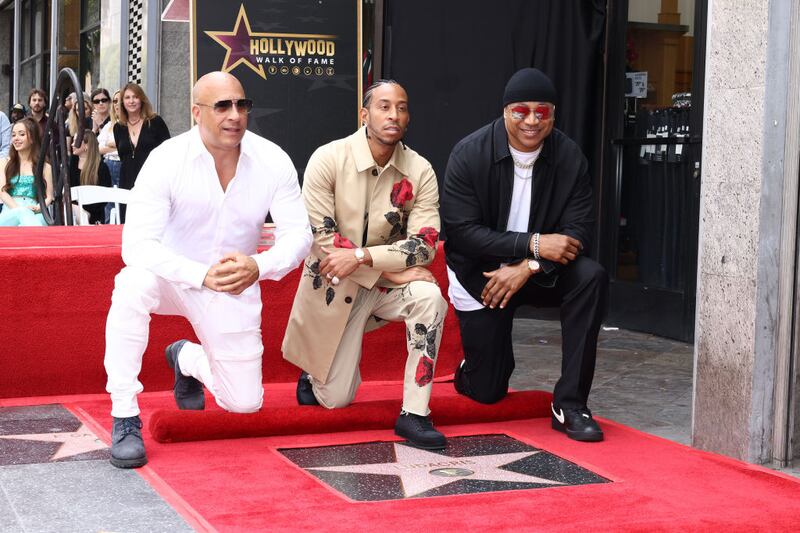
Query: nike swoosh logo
(559, 415)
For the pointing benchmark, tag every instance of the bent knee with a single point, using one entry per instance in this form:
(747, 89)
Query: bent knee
(429, 294)
(489, 396)
(241, 404)
(592, 271)
(333, 400)
(135, 283)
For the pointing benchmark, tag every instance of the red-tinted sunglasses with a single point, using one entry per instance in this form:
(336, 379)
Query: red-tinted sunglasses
(540, 111)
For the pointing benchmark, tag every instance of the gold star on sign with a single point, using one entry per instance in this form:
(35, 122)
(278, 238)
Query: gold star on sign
(237, 44)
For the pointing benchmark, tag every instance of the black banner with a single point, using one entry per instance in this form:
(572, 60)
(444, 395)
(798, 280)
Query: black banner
(299, 60)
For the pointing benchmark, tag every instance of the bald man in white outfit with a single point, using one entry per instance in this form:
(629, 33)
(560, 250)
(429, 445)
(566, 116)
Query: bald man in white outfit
(189, 245)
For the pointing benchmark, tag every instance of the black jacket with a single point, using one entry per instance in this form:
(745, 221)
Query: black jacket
(476, 199)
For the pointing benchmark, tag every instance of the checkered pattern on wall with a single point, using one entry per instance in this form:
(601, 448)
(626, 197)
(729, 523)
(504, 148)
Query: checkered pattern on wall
(135, 39)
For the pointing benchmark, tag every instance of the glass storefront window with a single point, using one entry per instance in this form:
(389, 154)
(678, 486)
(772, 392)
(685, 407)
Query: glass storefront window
(91, 12)
(90, 58)
(70, 26)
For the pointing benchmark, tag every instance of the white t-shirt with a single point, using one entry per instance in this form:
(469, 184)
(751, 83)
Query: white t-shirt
(518, 216)
(107, 134)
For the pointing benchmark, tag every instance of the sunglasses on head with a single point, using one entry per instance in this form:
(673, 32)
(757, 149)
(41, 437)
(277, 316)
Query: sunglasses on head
(100, 101)
(540, 111)
(244, 105)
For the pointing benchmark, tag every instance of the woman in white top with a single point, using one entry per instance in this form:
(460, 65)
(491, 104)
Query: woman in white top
(109, 153)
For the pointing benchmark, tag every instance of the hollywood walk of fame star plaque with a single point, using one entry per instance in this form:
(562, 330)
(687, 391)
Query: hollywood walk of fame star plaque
(45, 434)
(299, 61)
(377, 471)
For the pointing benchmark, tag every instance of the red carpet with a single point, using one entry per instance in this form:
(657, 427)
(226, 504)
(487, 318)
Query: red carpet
(57, 289)
(657, 485)
(171, 425)
(58, 284)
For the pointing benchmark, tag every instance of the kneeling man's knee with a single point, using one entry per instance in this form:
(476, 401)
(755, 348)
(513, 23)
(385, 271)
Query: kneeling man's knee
(489, 395)
(593, 272)
(430, 295)
(241, 403)
(333, 399)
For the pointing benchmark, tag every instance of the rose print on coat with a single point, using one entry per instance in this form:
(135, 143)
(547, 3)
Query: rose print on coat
(328, 226)
(312, 271)
(402, 191)
(340, 241)
(398, 223)
(419, 247)
(429, 235)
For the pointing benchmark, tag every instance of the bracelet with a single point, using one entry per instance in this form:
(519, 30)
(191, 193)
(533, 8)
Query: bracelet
(536, 246)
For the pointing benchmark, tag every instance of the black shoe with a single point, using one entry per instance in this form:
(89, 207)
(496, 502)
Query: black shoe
(419, 432)
(127, 446)
(305, 392)
(188, 391)
(457, 379)
(578, 424)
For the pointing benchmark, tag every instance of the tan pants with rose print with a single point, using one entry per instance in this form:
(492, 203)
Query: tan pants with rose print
(421, 306)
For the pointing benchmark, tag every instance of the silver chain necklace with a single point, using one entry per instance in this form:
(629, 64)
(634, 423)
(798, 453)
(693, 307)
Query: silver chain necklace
(521, 165)
(523, 175)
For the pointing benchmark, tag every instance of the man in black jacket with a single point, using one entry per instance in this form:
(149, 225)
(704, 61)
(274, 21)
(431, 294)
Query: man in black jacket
(517, 211)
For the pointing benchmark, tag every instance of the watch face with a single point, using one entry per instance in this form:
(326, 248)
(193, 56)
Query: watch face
(359, 254)
(533, 264)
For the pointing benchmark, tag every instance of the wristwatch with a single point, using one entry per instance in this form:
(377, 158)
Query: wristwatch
(359, 255)
(534, 266)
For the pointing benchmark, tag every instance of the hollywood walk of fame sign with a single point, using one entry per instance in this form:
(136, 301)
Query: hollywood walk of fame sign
(299, 60)
(394, 470)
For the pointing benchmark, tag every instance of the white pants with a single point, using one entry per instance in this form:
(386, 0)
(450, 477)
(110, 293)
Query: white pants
(228, 362)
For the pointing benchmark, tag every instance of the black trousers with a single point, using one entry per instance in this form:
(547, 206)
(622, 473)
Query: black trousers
(582, 294)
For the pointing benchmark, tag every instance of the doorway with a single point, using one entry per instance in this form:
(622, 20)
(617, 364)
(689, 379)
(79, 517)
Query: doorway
(650, 200)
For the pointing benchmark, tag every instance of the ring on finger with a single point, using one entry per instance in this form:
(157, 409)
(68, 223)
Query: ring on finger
(334, 280)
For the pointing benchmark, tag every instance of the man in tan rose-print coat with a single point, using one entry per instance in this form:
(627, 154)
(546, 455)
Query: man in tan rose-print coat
(373, 206)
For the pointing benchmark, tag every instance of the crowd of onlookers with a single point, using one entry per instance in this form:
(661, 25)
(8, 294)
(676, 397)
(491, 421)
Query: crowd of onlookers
(119, 132)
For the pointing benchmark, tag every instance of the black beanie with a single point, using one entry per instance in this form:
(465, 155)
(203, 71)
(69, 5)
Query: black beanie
(529, 85)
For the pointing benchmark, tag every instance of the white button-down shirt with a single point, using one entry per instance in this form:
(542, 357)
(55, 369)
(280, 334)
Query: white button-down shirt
(180, 222)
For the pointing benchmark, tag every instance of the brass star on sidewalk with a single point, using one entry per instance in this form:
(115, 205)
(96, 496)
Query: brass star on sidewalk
(421, 471)
(74, 443)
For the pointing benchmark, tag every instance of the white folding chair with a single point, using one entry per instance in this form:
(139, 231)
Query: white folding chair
(94, 194)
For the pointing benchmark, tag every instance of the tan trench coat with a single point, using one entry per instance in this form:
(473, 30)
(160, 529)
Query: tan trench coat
(341, 188)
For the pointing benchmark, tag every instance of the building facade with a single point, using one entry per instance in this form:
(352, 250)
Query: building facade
(744, 295)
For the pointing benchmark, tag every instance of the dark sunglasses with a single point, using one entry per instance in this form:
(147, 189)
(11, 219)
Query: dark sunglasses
(100, 101)
(244, 105)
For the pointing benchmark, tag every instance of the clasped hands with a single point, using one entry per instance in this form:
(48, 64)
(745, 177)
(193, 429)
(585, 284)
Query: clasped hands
(341, 262)
(233, 274)
(508, 279)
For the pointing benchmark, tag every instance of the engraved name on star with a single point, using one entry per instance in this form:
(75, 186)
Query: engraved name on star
(414, 467)
(73, 443)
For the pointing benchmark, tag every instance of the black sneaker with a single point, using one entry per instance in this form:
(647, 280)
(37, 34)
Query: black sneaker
(127, 446)
(305, 392)
(578, 424)
(188, 391)
(419, 432)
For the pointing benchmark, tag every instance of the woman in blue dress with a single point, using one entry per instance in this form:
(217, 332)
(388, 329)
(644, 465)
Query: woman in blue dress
(17, 185)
